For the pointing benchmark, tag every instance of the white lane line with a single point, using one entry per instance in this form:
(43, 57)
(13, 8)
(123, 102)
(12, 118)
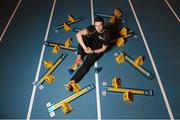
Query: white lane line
(4, 31)
(153, 64)
(172, 11)
(96, 74)
(40, 63)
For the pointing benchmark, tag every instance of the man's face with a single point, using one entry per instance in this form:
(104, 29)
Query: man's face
(98, 26)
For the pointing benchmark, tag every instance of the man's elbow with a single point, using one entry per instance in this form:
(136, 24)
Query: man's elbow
(78, 34)
(105, 48)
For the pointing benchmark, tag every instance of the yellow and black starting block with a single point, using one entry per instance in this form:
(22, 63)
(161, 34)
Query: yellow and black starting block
(65, 103)
(121, 56)
(127, 92)
(71, 20)
(47, 75)
(58, 46)
(124, 33)
(117, 15)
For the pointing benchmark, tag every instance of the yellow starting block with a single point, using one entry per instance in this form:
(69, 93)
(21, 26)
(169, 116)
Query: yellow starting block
(49, 79)
(48, 64)
(117, 15)
(124, 32)
(65, 103)
(72, 86)
(58, 46)
(120, 42)
(116, 82)
(121, 56)
(66, 107)
(112, 19)
(71, 20)
(124, 35)
(139, 61)
(66, 27)
(68, 42)
(56, 49)
(47, 75)
(128, 96)
(76, 87)
(127, 92)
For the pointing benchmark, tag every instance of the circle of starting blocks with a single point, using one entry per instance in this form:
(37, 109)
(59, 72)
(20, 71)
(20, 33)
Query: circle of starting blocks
(49, 79)
(66, 107)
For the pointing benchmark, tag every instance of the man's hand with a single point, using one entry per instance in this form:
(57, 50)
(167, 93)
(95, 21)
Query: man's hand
(88, 50)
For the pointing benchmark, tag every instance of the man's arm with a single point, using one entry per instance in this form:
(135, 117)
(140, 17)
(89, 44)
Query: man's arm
(104, 47)
(79, 37)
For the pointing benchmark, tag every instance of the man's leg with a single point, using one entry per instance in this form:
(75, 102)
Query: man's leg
(80, 54)
(79, 59)
(89, 61)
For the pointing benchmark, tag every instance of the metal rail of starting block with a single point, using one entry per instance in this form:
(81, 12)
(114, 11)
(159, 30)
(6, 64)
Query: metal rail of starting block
(131, 62)
(55, 106)
(70, 22)
(127, 92)
(53, 44)
(49, 71)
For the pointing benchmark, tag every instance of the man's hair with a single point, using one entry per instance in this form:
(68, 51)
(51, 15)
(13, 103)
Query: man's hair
(99, 19)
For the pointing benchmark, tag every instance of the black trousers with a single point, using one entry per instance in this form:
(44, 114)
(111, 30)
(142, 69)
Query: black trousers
(88, 62)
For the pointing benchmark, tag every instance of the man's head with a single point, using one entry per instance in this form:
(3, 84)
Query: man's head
(99, 24)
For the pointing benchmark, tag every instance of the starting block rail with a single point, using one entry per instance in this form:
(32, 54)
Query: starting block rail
(70, 22)
(117, 15)
(55, 106)
(134, 64)
(103, 15)
(49, 72)
(127, 92)
(131, 90)
(53, 44)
